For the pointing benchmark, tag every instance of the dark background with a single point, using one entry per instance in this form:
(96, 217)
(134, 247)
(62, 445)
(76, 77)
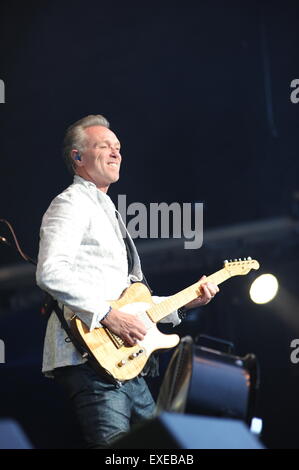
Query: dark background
(200, 98)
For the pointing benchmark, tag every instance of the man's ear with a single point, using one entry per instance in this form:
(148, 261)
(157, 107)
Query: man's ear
(76, 157)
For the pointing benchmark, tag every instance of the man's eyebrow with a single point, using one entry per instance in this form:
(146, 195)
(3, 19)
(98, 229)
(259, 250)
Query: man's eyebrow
(107, 141)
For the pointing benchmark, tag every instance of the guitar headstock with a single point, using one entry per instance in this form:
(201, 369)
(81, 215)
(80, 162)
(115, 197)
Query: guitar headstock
(238, 267)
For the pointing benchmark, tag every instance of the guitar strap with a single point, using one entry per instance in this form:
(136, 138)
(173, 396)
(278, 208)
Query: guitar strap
(130, 263)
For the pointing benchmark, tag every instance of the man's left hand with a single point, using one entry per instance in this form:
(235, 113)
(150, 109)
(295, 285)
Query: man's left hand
(208, 292)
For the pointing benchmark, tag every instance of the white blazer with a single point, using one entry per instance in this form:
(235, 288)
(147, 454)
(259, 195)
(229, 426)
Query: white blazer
(82, 263)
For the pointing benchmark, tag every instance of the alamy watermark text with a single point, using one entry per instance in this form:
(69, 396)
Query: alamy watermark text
(2, 351)
(295, 93)
(295, 353)
(2, 91)
(164, 220)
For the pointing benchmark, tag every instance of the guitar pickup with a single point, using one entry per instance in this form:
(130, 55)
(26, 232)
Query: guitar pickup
(116, 340)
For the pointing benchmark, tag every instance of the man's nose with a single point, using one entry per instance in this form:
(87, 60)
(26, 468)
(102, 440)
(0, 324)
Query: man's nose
(115, 153)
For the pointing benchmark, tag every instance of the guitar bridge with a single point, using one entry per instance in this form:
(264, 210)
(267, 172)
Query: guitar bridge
(116, 340)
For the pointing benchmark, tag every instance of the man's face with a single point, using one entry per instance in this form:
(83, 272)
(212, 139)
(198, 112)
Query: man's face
(101, 159)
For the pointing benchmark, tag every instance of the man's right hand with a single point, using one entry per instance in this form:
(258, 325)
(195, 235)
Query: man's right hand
(128, 327)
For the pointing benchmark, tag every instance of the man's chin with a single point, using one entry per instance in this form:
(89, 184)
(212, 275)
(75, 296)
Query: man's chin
(115, 179)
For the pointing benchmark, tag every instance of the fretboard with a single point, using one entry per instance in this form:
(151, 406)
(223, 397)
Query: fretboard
(172, 303)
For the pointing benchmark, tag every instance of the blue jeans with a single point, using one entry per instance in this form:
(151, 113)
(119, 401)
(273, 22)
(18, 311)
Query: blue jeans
(105, 411)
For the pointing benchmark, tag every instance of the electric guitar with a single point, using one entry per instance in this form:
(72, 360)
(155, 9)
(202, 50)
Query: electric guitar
(126, 362)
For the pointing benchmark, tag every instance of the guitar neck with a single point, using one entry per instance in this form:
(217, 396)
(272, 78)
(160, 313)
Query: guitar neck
(172, 303)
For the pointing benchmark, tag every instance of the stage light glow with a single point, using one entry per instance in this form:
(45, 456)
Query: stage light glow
(263, 289)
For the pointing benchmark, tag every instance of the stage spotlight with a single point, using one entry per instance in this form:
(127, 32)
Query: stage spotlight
(263, 289)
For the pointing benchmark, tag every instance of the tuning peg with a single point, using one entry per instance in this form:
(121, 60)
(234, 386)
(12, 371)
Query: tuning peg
(249, 258)
(225, 261)
(235, 260)
(240, 259)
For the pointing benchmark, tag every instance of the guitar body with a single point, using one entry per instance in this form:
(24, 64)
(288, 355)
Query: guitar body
(123, 362)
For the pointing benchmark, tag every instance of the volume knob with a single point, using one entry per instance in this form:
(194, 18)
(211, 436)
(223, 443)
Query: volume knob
(121, 363)
(135, 354)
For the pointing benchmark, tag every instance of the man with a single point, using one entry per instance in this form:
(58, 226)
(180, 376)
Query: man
(83, 262)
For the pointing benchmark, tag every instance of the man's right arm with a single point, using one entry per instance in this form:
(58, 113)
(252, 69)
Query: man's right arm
(61, 234)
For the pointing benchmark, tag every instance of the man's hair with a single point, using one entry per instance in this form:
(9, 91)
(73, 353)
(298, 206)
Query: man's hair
(75, 137)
